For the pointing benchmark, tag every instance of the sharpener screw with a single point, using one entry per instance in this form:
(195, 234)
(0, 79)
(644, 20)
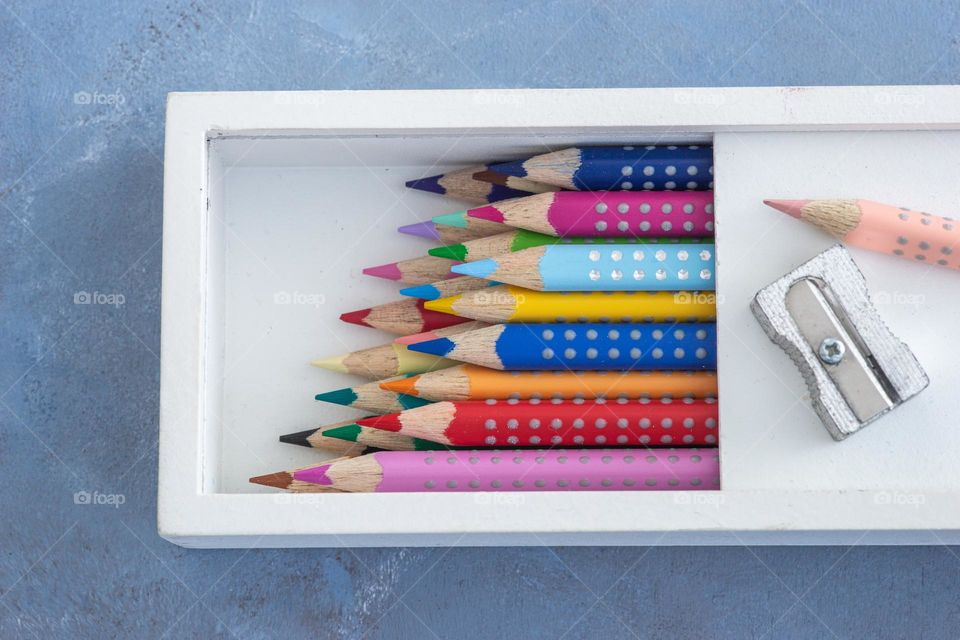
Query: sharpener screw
(831, 351)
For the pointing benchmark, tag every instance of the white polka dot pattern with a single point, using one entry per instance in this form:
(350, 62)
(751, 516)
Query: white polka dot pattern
(549, 470)
(627, 267)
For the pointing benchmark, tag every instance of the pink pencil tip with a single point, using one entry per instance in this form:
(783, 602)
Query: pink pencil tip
(388, 271)
(789, 207)
(486, 213)
(314, 475)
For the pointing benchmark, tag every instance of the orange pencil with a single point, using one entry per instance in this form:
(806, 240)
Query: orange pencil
(469, 382)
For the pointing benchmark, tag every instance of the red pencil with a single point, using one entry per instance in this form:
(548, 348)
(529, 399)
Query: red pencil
(560, 424)
(402, 317)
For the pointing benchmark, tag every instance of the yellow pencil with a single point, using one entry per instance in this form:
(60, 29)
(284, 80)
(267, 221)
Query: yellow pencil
(507, 303)
(384, 361)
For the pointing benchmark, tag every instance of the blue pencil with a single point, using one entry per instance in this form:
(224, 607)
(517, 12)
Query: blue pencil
(585, 347)
(462, 185)
(628, 168)
(623, 267)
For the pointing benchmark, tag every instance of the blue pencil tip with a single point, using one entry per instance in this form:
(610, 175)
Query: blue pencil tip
(431, 184)
(422, 291)
(438, 347)
(478, 269)
(514, 168)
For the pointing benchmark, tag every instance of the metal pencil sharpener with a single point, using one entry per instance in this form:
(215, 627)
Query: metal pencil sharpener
(855, 368)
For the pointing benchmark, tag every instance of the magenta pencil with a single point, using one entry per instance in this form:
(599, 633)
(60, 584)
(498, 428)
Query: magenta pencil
(513, 470)
(620, 214)
(423, 270)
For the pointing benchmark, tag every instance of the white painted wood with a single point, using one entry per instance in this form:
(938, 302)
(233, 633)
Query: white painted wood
(247, 226)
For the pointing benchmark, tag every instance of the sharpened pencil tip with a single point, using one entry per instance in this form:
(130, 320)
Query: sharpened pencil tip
(451, 252)
(344, 397)
(389, 422)
(334, 363)
(349, 432)
(514, 168)
(299, 438)
(426, 230)
(438, 347)
(789, 207)
(443, 305)
(314, 475)
(457, 219)
(407, 386)
(486, 213)
(422, 291)
(389, 271)
(279, 480)
(356, 317)
(431, 184)
(478, 269)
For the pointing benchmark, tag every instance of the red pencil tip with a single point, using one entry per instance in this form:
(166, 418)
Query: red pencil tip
(789, 207)
(389, 422)
(356, 317)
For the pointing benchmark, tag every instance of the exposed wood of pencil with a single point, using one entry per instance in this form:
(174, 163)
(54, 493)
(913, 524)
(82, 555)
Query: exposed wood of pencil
(528, 213)
(362, 474)
(837, 217)
(520, 184)
(555, 168)
(478, 347)
(521, 268)
(478, 226)
(489, 246)
(453, 235)
(284, 480)
(315, 439)
(424, 270)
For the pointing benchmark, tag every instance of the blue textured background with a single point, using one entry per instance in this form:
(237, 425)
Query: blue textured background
(81, 211)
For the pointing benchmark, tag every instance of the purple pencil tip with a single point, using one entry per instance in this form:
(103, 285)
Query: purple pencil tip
(426, 230)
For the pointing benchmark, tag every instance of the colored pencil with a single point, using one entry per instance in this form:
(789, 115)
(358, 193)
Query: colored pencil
(507, 303)
(372, 397)
(284, 480)
(446, 288)
(446, 234)
(621, 214)
(914, 235)
(627, 168)
(358, 438)
(514, 470)
(628, 267)
(401, 317)
(564, 424)
(459, 220)
(422, 270)
(384, 361)
(470, 382)
(440, 333)
(333, 445)
(462, 185)
(520, 184)
(589, 347)
(520, 239)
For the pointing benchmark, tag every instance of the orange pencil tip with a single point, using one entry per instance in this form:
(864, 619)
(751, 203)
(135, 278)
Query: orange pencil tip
(405, 385)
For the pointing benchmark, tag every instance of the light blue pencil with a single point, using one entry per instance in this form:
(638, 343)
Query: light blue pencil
(624, 267)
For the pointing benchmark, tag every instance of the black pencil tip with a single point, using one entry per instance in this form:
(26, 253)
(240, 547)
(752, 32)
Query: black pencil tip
(298, 438)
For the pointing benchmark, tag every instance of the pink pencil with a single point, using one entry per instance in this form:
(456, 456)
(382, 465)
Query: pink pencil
(422, 270)
(513, 470)
(621, 214)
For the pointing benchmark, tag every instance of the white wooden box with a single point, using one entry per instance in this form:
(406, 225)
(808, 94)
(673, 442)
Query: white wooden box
(274, 201)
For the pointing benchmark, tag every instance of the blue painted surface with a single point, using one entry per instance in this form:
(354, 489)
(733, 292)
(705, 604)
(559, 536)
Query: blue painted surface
(82, 89)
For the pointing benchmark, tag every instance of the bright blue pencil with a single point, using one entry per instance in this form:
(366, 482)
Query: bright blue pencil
(623, 267)
(586, 347)
(628, 168)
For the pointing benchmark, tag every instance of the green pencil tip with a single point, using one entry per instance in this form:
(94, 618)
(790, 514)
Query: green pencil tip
(349, 432)
(345, 397)
(451, 252)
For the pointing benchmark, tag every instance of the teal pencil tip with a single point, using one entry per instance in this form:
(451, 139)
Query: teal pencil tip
(345, 397)
(422, 291)
(458, 219)
(411, 402)
(478, 269)
(438, 347)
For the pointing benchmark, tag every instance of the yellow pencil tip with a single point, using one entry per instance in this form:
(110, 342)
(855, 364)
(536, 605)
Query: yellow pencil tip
(442, 305)
(334, 363)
